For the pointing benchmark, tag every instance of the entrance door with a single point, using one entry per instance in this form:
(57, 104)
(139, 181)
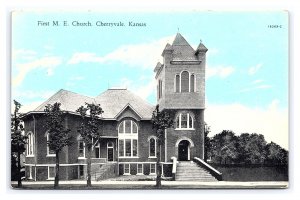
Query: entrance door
(183, 150)
(110, 154)
(110, 151)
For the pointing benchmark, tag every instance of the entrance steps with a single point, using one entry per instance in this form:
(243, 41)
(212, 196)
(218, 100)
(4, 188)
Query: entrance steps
(107, 170)
(190, 171)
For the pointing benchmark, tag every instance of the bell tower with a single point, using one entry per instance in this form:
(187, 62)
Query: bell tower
(181, 91)
(181, 77)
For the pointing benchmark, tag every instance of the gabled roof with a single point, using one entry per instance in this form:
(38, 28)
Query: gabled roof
(128, 106)
(70, 101)
(113, 101)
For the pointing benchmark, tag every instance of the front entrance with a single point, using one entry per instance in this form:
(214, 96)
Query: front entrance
(110, 151)
(184, 150)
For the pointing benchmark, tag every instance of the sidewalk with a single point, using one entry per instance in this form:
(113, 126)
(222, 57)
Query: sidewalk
(80, 184)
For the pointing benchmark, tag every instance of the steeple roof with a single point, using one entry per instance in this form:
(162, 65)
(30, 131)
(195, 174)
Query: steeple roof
(182, 50)
(201, 48)
(180, 41)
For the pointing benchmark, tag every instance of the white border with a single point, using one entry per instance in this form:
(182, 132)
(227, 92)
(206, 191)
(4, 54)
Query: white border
(292, 5)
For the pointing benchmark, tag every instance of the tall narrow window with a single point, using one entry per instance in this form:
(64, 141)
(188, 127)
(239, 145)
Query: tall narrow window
(185, 81)
(177, 83)
(81, 171)
(50, 152)
(128, 147)
(81, 149)
(97, 150)
(192, 85)
(30, 144)
(134, 147)
(152, 147)
(121, 148)
(184, 120)
(159, 89)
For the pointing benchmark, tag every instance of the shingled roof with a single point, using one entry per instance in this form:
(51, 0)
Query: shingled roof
(112, 101)
(69, 101)
(182, 50)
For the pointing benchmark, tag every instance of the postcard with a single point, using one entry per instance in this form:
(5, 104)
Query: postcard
(149, 100)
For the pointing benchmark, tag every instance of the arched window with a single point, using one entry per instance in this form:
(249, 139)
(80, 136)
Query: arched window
(192, 85)
(128, 138)
(30, 144)
(50, 152)
(185, 81)
(177, 83)
(152, 147)
(184, 121)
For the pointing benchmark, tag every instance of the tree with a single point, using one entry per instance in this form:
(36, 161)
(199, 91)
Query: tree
(206, 141)
(276, 155)
(58, 136)
(160, 122)
(224, 147)
(252, 148)
(18, 139)
(89, 130)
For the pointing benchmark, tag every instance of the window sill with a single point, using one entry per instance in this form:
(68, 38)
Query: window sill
(152, 157)
(129, 157)
(81, 158)
(139, 174)
(184, 129)
(51, 155)
(29, 156)
(50, 179)
(151, 174)
(127, 174)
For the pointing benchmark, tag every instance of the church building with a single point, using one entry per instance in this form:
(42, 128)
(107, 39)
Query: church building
(128, 144)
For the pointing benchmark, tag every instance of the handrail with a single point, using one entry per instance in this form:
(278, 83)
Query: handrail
(174, 159)
(212, 170)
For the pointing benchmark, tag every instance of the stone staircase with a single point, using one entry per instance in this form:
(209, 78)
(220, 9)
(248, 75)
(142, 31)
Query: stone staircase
(107, 170)
(190, 171)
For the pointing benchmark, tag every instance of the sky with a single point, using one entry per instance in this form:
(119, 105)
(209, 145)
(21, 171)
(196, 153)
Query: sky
(246, 71)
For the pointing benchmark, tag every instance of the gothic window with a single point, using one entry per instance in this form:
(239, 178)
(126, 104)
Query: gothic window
(185, 81)
(128, 139)
(184, 121)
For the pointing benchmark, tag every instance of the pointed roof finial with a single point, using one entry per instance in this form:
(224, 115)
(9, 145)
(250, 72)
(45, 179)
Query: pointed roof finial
(200, 41)
(177, 29)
